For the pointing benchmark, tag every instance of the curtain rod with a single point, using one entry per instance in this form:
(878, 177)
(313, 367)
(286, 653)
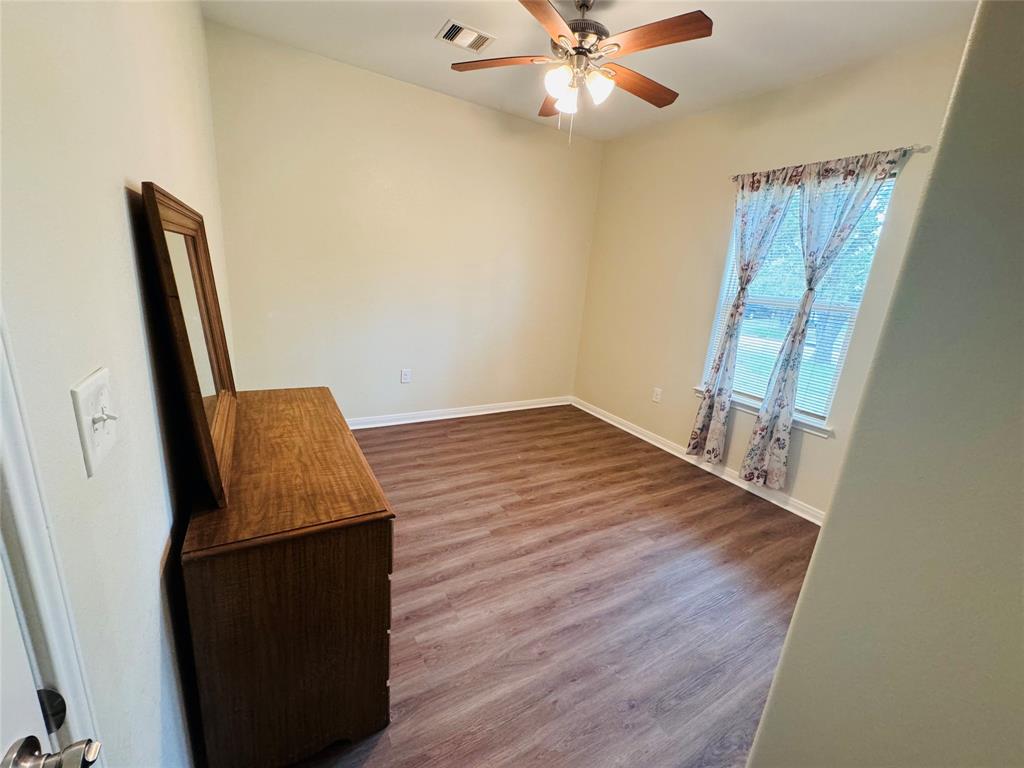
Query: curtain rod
(909, 150)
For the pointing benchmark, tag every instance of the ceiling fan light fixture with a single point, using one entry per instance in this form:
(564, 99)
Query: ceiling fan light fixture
(569, 102)
(579, 46)
(557, 81)
(599, 85)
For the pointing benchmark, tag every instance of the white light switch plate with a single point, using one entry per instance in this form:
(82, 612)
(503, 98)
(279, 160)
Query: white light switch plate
(96, 417)
(406, 377)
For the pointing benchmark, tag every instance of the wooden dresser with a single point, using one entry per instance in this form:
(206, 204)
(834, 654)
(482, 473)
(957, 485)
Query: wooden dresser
(288, 587)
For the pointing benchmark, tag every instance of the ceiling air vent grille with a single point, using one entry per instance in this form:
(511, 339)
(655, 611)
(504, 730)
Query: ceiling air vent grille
(464, 37)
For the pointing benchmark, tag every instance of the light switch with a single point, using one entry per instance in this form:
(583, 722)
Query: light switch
(97, 418)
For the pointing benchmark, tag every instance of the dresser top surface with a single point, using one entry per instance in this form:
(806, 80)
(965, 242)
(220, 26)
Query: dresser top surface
(296, 465)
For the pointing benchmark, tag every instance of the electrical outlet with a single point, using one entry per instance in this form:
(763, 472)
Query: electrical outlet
(656, 395)
(406, 376)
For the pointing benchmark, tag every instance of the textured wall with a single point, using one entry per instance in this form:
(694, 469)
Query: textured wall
(907, 645)
(663, 228)
(97, 97)
(375, 225)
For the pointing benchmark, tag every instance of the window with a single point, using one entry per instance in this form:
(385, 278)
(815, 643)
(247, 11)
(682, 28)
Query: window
(772, 301)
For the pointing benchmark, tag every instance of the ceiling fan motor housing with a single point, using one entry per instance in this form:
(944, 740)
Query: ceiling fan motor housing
(587, 31)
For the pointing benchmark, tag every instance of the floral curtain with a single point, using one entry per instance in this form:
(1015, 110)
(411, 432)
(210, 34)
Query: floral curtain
(834, 196)
(761, 200)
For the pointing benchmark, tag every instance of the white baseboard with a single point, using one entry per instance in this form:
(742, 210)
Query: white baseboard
(388, 420)
(778, 498)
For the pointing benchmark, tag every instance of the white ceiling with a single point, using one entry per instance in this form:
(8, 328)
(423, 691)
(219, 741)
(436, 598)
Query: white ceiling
(756, 46)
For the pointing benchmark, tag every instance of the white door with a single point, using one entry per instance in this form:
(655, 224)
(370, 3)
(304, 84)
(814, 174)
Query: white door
(23, 733)
(20, 715)
(38, 647)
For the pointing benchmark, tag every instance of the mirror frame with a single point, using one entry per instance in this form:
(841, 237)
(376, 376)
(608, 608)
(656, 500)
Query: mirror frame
(214, 437)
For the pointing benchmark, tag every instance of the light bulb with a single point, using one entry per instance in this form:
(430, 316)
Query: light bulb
(556, 81)
(569, 102)
(599, 85)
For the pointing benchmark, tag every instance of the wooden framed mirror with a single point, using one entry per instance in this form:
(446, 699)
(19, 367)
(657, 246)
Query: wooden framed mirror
(200, 346)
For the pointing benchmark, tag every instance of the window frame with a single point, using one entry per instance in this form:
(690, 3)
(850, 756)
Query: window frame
(747, 402)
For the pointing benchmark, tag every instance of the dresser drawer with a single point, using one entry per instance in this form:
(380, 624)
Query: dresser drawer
(291, 643)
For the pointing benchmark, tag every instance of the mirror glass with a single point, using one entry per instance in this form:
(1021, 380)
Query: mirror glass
(183, 278)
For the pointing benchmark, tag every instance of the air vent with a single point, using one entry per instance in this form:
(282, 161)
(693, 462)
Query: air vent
(464, 37)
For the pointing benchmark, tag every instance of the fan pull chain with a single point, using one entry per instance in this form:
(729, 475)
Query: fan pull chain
(572, 119)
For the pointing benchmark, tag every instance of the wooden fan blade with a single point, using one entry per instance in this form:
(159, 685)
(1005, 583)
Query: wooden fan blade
(549, 18)
(648, 90)
(547, 108)
(678, 29)
(507, 61)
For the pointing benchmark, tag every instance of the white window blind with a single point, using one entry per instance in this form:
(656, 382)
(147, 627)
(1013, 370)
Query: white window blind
(774, 296)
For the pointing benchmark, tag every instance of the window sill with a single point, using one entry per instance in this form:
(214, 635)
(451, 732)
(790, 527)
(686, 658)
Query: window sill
(807, 424)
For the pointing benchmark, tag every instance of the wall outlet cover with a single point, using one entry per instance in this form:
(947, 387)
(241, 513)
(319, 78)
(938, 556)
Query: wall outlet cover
(96, 417)
(656, 395)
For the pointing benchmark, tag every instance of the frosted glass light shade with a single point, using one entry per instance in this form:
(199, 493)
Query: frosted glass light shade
(569, 102)
(599, 85)
(557, 80)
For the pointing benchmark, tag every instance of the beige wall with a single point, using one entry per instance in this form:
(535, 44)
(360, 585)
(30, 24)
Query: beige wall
(907, 645)
(97, 97)
(375, 225)
(663, 229)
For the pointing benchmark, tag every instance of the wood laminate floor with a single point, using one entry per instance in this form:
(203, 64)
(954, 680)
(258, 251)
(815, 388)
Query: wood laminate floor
(566, 595)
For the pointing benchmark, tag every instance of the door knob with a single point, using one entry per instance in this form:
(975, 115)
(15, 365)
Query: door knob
(27, 753)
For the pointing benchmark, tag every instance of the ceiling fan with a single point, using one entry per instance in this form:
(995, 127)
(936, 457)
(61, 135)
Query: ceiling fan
(582, 49)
